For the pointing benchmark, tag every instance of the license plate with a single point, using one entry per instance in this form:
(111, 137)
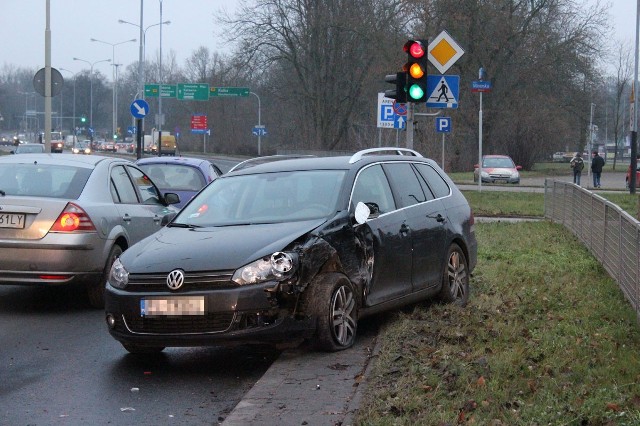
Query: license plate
(172, 306)
(11, 220)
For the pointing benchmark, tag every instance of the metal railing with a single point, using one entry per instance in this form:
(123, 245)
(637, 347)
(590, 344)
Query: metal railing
(611, 234)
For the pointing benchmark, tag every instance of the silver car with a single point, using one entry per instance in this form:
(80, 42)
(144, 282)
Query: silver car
(65, 218)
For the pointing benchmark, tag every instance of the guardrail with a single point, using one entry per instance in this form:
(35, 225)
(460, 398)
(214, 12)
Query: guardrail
(611, 234)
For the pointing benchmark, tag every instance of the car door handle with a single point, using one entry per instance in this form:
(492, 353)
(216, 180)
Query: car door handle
(437, 217)
(126, 218)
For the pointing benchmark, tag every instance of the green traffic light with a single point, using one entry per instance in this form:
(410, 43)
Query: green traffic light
(83, 119)
(416, 92)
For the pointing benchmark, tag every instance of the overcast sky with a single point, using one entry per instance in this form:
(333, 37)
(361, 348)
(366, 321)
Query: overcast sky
(74, 22)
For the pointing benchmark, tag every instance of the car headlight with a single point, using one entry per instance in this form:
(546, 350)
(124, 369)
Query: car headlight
(118, 277)
(278, 266)
(515, 174)
(484, 174)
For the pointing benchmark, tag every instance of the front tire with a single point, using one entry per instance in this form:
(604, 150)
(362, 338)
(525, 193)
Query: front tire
(95, 290)
(455, 278)
(332, 301)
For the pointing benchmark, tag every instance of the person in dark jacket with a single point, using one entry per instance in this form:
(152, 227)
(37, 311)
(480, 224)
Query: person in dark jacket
(597, 163)
(577, 164)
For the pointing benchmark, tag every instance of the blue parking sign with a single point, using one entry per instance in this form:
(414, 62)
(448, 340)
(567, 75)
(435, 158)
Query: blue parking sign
(443, 124)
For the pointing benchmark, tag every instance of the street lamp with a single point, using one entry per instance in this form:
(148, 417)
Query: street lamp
(74, 104)
(91, 64)
(115, 78)
(143, 41)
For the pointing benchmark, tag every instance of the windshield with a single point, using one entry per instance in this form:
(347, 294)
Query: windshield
(265, 198)
(498, 162)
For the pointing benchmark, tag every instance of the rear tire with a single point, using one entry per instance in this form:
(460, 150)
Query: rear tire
(455, 278)
(331, 300)
(95, 290)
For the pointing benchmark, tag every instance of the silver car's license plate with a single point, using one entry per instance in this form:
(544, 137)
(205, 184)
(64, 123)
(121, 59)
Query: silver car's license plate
(172, 306)
(11, 220)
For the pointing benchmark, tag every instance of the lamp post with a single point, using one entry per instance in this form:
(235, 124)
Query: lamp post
(91, 64)
(141, 60)
(115, 78)
(143, 41)
(259, 123)
(160, 117)
(74, 104)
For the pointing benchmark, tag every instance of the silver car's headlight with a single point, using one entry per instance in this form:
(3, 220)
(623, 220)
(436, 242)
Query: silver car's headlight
(118, 277)
(484, 174)
(277, 267)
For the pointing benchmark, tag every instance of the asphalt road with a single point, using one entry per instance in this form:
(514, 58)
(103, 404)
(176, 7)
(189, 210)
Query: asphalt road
(59, 365)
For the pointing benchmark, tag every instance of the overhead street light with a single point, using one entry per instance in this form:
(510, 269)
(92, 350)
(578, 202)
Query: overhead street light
(115, 80)
(91, 64)
(143, 46)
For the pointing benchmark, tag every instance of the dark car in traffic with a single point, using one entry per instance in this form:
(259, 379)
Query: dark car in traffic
(296, 249)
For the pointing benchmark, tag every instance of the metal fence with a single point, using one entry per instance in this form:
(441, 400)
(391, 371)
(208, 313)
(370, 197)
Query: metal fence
(611, 234)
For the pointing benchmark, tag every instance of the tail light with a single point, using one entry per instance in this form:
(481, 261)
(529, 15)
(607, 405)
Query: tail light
(72, 219)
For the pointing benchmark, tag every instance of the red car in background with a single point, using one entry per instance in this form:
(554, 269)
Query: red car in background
(628, 176)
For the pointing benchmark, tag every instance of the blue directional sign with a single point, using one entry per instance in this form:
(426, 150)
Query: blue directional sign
(131, 130)
(259, 131)
(139, 108)
(480, 86)
(443, 124)
(443, 91)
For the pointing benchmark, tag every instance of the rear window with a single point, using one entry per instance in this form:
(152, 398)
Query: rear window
(174, 176)
(43, 180)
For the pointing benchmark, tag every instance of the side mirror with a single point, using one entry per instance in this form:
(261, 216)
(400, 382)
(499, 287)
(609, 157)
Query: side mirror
(167, 218)
(171, 198)
(476, 166)
(362, 213)
(518, 167)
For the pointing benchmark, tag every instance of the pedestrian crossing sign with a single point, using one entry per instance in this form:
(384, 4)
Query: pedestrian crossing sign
(443, 91)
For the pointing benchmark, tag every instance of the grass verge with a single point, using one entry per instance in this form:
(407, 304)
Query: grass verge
(546, 339)
(505, 203)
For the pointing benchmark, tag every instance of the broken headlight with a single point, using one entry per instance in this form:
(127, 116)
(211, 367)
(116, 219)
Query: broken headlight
(276, 267)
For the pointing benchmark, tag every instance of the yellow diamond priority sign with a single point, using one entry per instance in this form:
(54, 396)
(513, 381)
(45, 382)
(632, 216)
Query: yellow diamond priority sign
(443, 52)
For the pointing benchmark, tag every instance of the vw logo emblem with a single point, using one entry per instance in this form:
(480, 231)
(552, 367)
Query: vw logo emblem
(175, 279)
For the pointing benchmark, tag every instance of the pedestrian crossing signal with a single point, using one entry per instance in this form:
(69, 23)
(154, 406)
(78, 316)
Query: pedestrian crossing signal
(416, 69)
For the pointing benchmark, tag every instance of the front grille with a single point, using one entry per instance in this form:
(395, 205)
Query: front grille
(192, 281)
(191, 324)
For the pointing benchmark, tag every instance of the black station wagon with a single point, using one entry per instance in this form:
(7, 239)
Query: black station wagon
(296, 249)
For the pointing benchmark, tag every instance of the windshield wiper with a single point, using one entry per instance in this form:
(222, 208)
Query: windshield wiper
(182, 225)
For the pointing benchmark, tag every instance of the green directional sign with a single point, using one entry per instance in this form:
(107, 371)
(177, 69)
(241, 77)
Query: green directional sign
(193, 91)
(229, 91)
(153, 90)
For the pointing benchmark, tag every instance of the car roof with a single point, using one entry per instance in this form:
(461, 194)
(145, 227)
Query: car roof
(495, 156)
(366, 156)
(65, 159)
(188, 161)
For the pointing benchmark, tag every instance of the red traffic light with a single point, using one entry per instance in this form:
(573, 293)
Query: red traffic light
(415, 49)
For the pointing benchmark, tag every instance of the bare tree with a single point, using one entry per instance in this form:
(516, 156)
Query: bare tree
(315, 56)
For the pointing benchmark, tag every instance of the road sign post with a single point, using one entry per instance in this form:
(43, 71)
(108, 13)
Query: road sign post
(443, 125)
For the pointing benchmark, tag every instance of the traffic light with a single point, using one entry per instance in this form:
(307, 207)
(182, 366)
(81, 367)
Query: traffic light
(416, 69)
(83, 119)
(400, 92)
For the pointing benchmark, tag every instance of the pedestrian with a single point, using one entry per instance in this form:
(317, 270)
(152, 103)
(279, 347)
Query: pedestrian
(597, 163)
(577, 164)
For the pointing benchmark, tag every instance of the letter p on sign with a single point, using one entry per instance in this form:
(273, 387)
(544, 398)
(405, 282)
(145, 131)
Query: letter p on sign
(443, 124)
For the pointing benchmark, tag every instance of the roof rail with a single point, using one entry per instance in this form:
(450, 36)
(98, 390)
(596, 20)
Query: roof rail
(266, 159)
(384, 150)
